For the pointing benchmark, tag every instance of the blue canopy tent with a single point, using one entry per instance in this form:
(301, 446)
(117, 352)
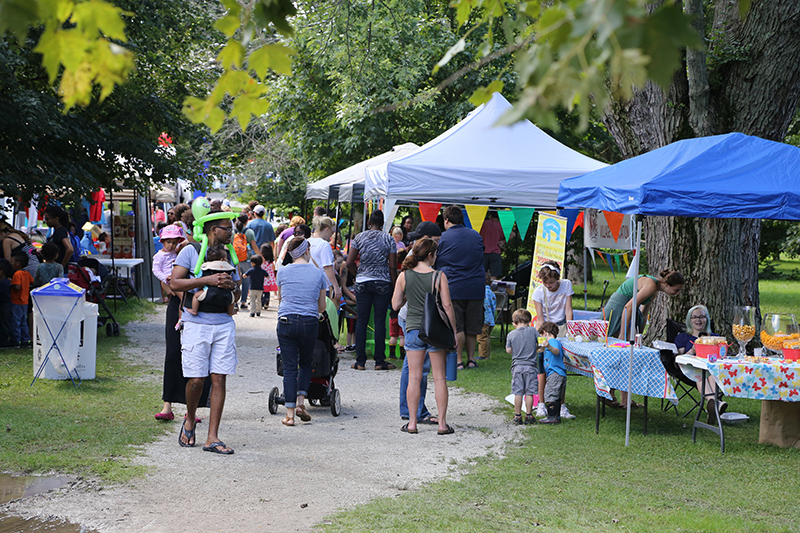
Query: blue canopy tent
(723, 176)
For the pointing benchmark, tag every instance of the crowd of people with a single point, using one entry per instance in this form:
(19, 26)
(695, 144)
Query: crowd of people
(247, 260)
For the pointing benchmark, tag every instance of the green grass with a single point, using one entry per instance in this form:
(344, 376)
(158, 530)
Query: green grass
(567, 478)
(52, 426)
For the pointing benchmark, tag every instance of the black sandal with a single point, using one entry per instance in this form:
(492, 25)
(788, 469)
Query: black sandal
(472, 364)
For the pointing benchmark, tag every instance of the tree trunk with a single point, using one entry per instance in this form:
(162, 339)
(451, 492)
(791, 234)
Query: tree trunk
(753, 88)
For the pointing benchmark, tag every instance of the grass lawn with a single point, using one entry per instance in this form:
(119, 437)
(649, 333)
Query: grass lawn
(52, 426)
(567, 478)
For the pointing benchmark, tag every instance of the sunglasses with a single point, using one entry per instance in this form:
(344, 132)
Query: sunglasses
(229, 229)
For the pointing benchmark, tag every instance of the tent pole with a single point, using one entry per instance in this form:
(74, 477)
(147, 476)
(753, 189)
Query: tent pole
(634, 315)
(585, 284)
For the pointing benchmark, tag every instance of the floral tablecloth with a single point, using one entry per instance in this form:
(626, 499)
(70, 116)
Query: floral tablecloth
(609, 368)
(775, 380)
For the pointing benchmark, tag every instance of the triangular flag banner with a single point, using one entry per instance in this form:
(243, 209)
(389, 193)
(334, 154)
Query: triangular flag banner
(428, 211)
(477, 214)
(603, 259)
(625, 258)
(614, 223)
(467, 221)
(523, 216)
(616, 260)
(507, 222)
(571, 215)
(611, 265)
(578, 223)
(591, 254)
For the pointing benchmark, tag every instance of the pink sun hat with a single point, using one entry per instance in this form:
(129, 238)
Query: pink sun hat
(173, 231)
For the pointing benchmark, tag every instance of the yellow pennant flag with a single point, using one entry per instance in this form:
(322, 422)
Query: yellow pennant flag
(476, 214)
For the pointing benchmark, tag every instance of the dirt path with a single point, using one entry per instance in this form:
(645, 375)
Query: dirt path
(280, 479)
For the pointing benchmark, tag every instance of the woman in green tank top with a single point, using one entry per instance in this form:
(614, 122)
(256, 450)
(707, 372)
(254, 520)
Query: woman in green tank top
(412, 285)
(670, 283)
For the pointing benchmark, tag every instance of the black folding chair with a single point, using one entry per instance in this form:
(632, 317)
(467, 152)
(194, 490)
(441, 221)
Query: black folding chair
(684, 387)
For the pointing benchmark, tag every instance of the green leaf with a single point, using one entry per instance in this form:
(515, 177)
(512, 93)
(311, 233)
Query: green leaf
(463, 9)
(276, 12)
(455, 49)
(664, 36)
(228, 24)
(271, 56)
(484, 94)
(231, 55)
(233, 7)
(17, 15)
(99, 16)
(744, 8)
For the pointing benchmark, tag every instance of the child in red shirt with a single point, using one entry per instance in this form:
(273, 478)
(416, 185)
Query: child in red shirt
(20, 294)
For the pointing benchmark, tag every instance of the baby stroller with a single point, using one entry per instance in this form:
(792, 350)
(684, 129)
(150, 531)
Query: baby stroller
(324, 365)
(95, 289)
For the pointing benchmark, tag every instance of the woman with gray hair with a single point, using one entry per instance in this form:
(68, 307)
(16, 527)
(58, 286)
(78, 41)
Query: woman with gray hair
(301, 293)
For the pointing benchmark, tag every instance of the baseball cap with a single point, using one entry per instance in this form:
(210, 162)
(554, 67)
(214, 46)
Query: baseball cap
(260, 209)
(173, 231)
(425, 229)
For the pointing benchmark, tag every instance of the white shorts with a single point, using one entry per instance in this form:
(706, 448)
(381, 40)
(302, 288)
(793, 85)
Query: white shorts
(208, 349)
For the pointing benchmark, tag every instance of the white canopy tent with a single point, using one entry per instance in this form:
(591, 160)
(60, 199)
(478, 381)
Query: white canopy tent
(320, 190)
(476, 162)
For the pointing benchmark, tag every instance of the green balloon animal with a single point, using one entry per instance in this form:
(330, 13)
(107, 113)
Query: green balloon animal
(200, 210)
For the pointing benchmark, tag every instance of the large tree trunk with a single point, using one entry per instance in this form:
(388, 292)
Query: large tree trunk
(753, 88)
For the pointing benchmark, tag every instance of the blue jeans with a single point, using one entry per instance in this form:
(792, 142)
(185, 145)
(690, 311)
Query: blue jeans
(19, 322)
(372, 295)
(297, 336)
(244, 266)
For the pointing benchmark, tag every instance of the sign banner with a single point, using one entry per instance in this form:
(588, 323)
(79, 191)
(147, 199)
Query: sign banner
(598, 234)
(551, 242)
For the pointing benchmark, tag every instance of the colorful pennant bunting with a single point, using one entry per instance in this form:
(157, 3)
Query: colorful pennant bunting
(507, 222)
(614, 222)
(428, 211)
(477, 214)
(523, 216)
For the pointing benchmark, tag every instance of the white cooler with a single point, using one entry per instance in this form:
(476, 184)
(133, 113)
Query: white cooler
(87, 348)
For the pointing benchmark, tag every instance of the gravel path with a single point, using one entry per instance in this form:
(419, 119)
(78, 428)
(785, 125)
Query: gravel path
(279, 479)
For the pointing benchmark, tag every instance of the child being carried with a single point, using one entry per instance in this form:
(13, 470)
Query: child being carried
(216, 263)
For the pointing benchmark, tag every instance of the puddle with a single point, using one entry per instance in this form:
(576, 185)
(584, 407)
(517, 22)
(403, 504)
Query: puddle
(12, 487)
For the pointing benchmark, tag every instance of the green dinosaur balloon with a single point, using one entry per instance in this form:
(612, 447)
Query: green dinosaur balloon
(202, 238)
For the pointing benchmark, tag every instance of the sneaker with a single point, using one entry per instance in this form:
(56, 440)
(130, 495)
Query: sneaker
(530, 419)
(252, 315)
(541, 410)
(565, 412)
(517, 420)
(350, 349)
(258, 314)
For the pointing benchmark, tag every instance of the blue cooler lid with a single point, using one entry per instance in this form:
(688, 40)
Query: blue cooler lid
(59, 287)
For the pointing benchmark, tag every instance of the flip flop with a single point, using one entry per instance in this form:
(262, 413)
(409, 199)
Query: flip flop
(430, 419)
(405, 429)
(189, 434)
(214, 447)
(165, 417)
(448, 431)
(356, 366)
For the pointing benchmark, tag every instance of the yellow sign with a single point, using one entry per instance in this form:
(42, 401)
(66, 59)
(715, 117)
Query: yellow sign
(551, 241)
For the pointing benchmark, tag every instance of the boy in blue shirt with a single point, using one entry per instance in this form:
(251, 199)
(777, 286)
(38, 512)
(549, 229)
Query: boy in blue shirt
(556, 384)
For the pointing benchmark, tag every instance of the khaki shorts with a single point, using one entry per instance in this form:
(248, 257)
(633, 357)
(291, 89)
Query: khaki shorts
(208, 349)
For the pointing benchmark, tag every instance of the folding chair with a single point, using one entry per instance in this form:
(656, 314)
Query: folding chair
(684, 387)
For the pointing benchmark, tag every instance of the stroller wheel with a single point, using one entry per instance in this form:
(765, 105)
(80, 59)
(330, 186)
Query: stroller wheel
(336, 402)
(116, 329)
(273, 400)
(313, 401)
(110, 329)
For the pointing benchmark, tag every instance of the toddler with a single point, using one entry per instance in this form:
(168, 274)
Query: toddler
(397, 234)
(257, 277)
(20, 296)
(48, 269)
(170, 237)
(270, 282)
(216, 263)
(489, 310)
(522, 344)
(6, 336)
(556, 373)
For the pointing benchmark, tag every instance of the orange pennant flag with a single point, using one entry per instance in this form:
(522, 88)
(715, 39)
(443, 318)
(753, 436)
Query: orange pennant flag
(614, 223)
(428, 211)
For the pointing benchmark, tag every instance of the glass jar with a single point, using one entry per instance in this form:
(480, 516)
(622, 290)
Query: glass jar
(778, 328)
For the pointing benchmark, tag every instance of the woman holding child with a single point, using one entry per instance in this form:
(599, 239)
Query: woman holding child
(416, 280)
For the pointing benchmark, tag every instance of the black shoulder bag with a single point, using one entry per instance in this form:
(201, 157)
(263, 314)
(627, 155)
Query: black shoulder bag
(436, 329)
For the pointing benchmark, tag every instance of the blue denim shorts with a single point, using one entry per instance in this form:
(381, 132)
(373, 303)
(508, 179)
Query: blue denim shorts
(414, 343)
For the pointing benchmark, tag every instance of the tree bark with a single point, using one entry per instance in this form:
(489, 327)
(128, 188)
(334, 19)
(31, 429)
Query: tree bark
(753, 88)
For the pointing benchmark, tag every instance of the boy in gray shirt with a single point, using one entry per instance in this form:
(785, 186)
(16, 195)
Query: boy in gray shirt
(522, 344)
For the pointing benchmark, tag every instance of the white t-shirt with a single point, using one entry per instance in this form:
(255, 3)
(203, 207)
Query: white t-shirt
(321, 252)
(554, 304)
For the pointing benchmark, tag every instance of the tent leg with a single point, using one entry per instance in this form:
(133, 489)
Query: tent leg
(634, 315)
(585, 284)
